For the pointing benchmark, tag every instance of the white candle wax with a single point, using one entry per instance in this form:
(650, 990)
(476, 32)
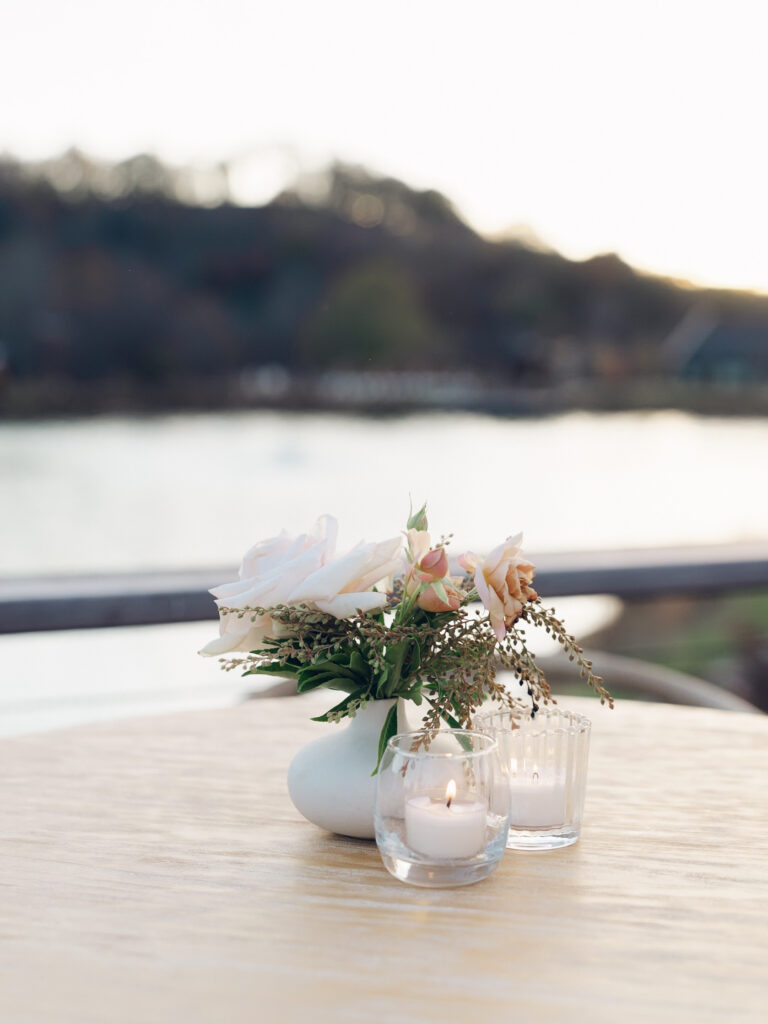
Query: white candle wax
(435, 829)
(536, 802)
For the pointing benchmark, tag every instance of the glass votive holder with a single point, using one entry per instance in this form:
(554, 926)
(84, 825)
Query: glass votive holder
(543, 763)
(441, 814)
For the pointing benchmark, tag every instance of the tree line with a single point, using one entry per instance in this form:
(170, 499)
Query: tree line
(111, 273)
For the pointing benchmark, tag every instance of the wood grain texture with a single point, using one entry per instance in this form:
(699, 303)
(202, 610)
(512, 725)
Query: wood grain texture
(155, 871)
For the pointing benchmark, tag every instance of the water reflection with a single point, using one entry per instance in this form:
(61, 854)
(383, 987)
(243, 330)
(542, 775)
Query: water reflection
(196, 491)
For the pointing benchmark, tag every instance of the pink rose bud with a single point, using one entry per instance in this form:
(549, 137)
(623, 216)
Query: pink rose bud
(434, 565)
(431, 601)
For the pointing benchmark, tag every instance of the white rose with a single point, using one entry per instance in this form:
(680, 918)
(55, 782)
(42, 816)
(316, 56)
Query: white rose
(301, 570)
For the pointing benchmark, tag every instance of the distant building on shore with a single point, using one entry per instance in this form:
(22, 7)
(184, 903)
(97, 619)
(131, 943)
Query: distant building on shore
(704, 348)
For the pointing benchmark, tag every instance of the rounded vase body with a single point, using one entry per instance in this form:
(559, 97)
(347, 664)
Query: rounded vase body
(330, 781)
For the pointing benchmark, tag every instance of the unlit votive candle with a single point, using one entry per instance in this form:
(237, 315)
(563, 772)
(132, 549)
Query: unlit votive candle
(536, 802)
(544, 765)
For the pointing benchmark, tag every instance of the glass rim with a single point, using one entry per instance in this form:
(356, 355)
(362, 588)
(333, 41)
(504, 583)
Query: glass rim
(491, 743)
(576, 723)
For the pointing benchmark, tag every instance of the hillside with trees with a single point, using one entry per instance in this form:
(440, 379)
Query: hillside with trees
(120, 290)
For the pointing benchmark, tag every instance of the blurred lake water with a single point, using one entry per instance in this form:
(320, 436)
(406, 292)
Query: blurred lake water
(197, 490)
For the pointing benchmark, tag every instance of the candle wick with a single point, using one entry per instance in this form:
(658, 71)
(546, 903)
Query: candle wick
(448, 801)
(535, 776)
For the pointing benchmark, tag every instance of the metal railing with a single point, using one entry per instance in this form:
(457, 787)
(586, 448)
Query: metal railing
(149, 598)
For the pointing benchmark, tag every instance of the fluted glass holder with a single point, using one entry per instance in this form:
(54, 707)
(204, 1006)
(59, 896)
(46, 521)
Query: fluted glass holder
(544, 766)
(442, 810)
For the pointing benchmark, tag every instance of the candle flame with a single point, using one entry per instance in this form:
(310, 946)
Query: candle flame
(513, 765)
(450, 792)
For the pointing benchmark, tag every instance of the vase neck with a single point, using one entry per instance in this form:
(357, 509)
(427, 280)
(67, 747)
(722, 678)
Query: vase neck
(371, 718)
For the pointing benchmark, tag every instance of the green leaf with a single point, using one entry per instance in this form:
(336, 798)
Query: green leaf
(414, 658)
(309, 683)
(418, 520)
(354, 686)
(388, 730)
(454, 724)
(343, 670)
(358, 664)
(310, 677)
(389, 682)
(338, 663)
(414, 694)
(341, 706)
(313, 681)
(274, 669)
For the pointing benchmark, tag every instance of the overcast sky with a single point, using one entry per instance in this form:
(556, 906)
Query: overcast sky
(604, 125)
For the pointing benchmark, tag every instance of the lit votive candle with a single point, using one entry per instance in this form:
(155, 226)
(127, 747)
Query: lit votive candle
(535, 801)
(445, 828)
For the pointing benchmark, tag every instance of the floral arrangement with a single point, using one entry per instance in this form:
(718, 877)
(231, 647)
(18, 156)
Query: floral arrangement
(389, 620)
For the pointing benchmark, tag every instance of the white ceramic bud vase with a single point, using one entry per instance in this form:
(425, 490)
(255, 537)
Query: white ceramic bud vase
(330, 780)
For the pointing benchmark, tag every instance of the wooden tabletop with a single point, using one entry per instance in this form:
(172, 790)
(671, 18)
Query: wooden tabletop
(154, 870)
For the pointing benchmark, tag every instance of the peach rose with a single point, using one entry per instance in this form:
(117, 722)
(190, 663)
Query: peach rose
(503, 582)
